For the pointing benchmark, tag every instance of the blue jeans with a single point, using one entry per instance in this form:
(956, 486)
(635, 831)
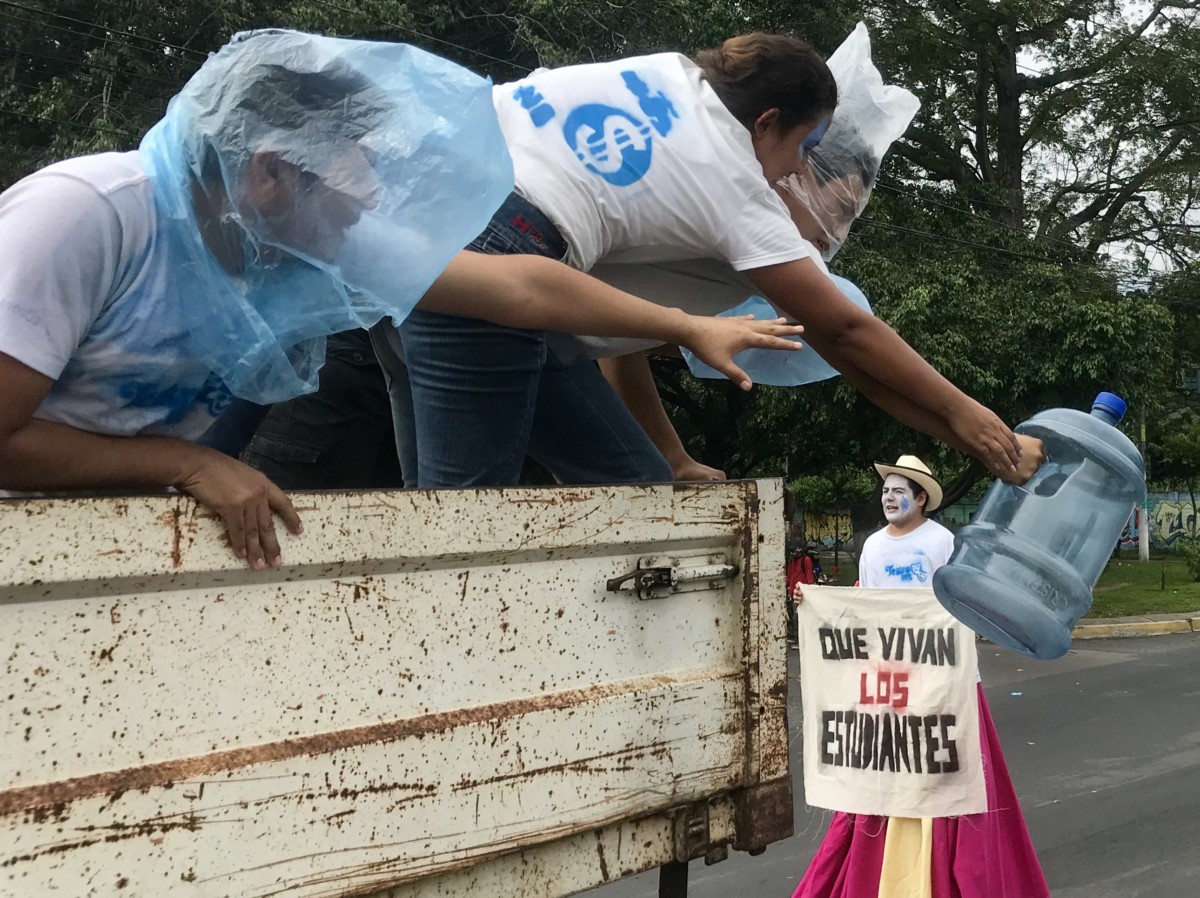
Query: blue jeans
(484, 396)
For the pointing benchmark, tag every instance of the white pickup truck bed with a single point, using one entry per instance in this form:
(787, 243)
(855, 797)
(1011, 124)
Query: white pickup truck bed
(439, 693)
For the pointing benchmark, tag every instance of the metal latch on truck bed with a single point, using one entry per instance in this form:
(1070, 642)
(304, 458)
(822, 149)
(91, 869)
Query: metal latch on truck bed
(658, 576)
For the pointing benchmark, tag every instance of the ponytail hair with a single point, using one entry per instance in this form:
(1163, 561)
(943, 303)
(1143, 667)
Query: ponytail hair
(756, 72)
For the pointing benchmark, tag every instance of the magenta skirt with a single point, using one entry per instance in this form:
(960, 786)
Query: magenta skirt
(974, 856)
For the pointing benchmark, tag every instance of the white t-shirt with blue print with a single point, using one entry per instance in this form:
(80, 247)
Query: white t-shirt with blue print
(904, 562)
(86, 299)
(637, 160)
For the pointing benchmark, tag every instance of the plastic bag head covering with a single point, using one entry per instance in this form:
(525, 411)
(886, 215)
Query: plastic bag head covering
(770, 366)
(840, 171)
(310, 185)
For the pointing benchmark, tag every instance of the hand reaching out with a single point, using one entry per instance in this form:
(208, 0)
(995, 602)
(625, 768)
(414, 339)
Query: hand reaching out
(715, 341)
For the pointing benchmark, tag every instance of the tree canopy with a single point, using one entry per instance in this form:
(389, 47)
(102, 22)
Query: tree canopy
(1035, 234)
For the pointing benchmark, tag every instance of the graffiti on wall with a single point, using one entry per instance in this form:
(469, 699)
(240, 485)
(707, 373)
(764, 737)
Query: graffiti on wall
(1172, 518)
(828, 529)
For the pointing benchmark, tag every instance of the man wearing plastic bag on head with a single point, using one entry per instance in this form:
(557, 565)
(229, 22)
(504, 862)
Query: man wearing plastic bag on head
(705, 286)
(296, 187)
(824, 200)
(657, 159)
(826, 195)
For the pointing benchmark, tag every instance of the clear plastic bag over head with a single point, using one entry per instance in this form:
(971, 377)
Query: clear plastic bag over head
(770, 366)
(310, 185)
(840, 172)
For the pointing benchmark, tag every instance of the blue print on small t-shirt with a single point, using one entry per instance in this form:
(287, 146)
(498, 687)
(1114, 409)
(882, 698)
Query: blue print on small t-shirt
(540, 112)
(175, 401)
(917, 569)
(657, 107)
(215, 395)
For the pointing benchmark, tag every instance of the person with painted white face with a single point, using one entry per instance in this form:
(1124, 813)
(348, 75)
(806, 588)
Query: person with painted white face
(988, 855)
(905, 553)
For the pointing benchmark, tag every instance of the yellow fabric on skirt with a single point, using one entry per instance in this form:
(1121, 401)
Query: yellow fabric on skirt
(907, 859)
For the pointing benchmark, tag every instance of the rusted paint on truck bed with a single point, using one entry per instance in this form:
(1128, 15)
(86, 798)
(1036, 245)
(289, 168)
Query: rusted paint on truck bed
(436, 693)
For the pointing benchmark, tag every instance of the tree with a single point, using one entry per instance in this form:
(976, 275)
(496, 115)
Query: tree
(964, 249)
(83, 77)
(1049, 132)
(1077, 117)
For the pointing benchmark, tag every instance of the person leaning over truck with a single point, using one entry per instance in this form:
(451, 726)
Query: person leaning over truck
(656, 158)
(296, 187)
(823, 201)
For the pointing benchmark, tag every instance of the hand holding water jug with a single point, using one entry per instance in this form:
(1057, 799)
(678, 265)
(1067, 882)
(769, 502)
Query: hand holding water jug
(1022, 571)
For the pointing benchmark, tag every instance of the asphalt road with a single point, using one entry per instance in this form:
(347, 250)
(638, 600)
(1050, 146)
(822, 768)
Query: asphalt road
(1104, 749)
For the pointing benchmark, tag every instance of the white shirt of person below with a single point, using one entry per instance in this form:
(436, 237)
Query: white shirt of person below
(905, 553)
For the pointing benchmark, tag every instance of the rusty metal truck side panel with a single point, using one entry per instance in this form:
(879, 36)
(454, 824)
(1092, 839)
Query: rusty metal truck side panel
(438, 690)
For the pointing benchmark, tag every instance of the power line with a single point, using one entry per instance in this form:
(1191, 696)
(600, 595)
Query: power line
(421, 34)
(1104, 270)
(100, 129)
(105, 28)
(89, 64)
(983, 218)
(959, 241)
(108, 41)
(134, 111)
(1162, 226)
(1011, 261)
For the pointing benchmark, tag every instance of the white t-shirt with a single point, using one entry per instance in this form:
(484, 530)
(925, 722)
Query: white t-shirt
(86, 299)
(904, 562)
(637, 160)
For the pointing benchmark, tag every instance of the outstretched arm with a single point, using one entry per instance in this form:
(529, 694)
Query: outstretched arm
(43, 456)
(889, 372)
(633, 381)
(535, 292)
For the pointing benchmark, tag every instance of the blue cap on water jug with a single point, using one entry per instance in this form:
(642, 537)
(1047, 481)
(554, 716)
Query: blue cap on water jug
(1110, 405)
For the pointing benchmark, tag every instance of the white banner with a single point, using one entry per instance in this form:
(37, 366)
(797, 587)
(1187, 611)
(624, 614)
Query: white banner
(891, 715)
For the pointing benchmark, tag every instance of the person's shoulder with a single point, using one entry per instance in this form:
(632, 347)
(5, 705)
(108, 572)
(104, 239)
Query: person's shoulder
(673, 61)
(875, 539)
(105, 190)
(938, 528)
(107, 174)
(935, 532)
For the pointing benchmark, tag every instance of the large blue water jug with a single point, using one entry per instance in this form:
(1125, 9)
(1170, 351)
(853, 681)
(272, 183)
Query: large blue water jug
(1022, 571)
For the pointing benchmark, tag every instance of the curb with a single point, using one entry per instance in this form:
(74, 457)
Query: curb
(1136, 627)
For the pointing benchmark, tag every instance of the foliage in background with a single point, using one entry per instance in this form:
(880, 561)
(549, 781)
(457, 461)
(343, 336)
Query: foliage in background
(1190, 550)
(1016, 238)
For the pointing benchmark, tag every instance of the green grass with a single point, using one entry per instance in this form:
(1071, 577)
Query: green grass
(1133, 587)
(1127, 587)
(847, 569)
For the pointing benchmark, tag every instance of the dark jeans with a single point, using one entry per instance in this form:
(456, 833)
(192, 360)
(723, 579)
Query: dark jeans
(339, 437)
(482, 396)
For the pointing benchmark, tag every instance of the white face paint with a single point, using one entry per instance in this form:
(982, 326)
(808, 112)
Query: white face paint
(899, 502)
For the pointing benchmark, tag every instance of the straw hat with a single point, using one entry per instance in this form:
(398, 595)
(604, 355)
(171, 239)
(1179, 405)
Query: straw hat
(916, 470)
